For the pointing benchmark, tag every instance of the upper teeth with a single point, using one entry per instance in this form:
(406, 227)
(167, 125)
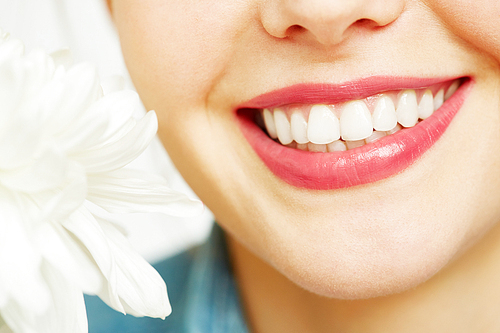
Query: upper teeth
(323, 126)
(384, 116)
(352, 121)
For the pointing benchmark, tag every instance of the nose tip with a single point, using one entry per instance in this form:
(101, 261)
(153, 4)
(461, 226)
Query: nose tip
(327, 22)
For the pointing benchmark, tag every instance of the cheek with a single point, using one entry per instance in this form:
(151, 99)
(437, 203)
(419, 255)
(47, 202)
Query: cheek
(178, 46)
(475, 21)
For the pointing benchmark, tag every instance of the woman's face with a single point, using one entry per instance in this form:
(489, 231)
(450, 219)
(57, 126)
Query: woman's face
(369, 221)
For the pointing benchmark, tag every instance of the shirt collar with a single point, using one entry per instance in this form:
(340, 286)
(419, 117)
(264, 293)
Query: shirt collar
(213, 304)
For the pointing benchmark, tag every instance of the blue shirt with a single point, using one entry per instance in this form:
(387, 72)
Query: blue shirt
(202, 292)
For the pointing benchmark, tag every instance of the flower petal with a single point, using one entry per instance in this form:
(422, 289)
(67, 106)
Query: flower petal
(39, 69)
(66, 99)
(67, 313)
(18, 144)
(61, 250)
(141, 289)
(100, 122)
(18, 319)
(128, 191)
(59, 203)
(11, 84)
(45, 172)
(117, 154)
(63, 57)
(120, 107)
(3, 327)
(113, 83)
(11, 48)
(20, 131)
(22, 282)
(88, 231)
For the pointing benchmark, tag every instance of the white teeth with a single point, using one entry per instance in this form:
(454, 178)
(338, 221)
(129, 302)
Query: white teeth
(316, 147)
(438, 99)
(299, 127)
(396, 128)
(426, 106)
(356, 121)
(384, 116)
(337, 146)
(407, 111)
(375, 136)
(282, 127)
(322, 131)
(452, 89)
(269, 121)
(302, 146)
(323, 125)
(354, 144)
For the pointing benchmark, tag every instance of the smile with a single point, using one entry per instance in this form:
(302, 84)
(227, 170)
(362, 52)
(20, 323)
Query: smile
(336, 136)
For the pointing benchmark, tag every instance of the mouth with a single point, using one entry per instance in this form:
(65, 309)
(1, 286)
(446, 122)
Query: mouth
(324, 137)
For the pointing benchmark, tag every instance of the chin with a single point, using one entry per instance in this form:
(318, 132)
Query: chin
(367, 249)
(354, 281)
(360, 269)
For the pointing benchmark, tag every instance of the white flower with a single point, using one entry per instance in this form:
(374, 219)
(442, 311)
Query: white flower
(63, 147)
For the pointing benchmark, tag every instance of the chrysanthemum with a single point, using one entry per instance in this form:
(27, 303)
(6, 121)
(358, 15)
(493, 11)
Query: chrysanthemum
(63, 147)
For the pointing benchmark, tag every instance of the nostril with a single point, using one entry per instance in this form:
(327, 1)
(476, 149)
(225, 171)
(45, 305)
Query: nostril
(294, 30)
(365, 24)
(363, 21)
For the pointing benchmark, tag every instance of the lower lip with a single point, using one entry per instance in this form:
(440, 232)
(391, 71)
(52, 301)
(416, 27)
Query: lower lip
(367, 164)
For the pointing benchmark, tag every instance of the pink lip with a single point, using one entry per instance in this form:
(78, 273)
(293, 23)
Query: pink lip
(369, 163)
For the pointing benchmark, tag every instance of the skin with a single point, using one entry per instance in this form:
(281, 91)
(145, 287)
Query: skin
(418, 251)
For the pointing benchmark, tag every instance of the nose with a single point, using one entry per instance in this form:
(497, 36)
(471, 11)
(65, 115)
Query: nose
(327, 22)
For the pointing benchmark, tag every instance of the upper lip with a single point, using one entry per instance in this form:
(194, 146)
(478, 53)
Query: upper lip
(327, 93)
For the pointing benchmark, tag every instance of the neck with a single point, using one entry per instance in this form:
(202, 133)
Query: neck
(463, 297)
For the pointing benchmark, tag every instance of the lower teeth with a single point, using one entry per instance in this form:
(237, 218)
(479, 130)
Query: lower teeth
(339, 145)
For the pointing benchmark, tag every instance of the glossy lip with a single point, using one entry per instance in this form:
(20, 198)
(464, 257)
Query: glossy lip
(369, 163)
(324, 93)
